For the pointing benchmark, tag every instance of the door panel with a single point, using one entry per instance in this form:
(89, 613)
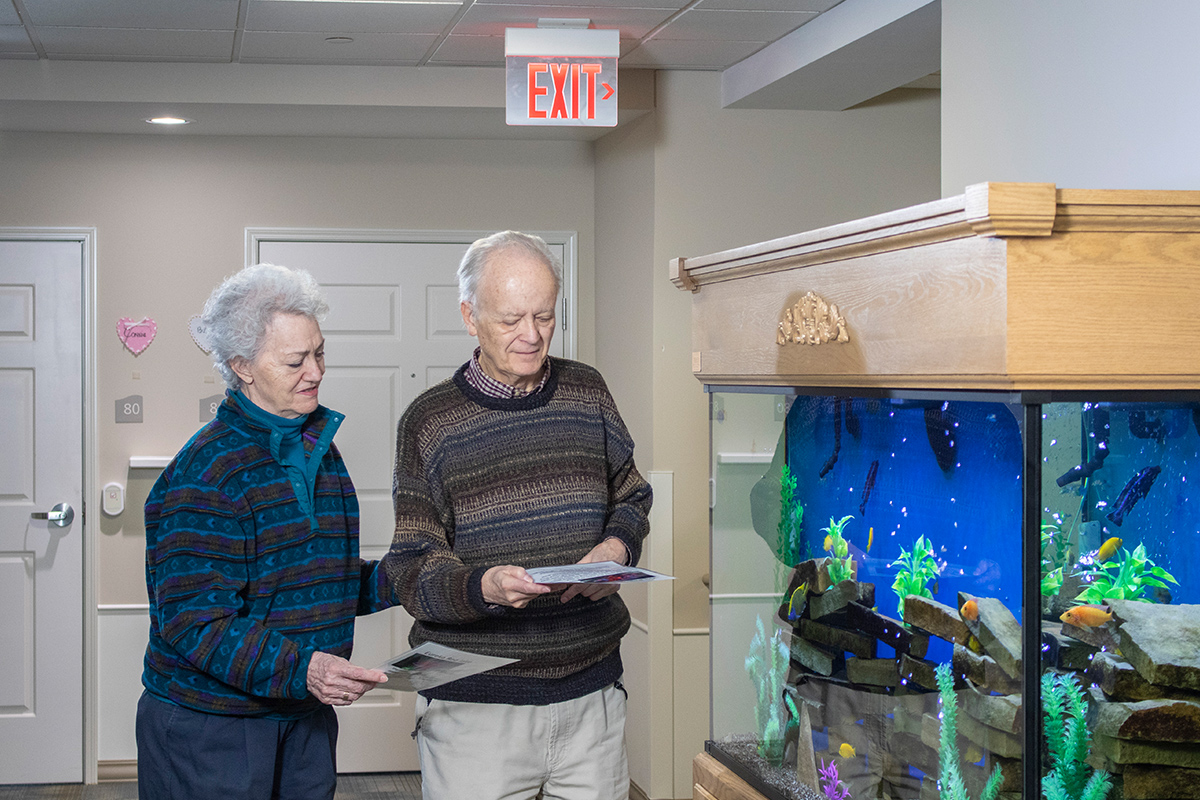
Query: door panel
(41, 564)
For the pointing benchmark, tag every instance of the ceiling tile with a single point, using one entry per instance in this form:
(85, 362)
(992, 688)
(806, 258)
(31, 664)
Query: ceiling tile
(674, 5)
(9, 15)
(311, 48)
(267, 15)
(14, 41)
(732, 26)
(486, 19)
(137, 45)
(683, 54)
(795, 6)
(457, 49)
(189, 15)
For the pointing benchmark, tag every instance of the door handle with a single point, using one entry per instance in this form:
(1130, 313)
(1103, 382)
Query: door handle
(61, 515)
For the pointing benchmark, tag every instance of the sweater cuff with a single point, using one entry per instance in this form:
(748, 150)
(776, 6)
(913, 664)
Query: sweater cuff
(475, 594)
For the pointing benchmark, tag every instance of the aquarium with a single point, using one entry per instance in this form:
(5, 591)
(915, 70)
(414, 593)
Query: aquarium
(956, 594)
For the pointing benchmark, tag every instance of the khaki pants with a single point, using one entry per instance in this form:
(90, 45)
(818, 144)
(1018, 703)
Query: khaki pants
(487, 751)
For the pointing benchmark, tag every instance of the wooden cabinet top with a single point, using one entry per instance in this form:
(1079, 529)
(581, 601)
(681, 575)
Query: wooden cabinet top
(1009, 286)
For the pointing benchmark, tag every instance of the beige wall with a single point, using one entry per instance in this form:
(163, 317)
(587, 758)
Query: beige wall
(728, 178)
(170, 214)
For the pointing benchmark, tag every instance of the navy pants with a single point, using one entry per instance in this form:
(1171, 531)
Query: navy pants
(190, 755)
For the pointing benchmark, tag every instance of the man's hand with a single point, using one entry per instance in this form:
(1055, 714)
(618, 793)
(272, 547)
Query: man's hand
(336, 682)
(511, 586)
(611, 549)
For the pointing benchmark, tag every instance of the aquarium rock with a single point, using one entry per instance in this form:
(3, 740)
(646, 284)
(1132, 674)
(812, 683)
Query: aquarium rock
(1153, 720)
(1162, 642)
(983, 671)
(872, 671)
(892, 632)
(999, 711)
(1160, 783)
(838, 638)
(998, 631)
(1128, 751)
(937, 618)
(917, 672)
(1120, 681)
(838, 596)
(813, 657)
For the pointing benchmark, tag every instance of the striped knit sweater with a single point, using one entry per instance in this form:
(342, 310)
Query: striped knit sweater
(532, 481)
(244, 585)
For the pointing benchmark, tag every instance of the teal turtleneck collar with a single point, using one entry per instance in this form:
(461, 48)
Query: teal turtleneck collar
(287, 447)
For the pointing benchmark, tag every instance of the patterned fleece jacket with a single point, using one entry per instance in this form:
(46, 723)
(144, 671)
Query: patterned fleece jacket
(244, 585)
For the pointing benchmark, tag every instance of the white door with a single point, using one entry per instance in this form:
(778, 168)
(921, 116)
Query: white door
(41, 563)
(393, 329)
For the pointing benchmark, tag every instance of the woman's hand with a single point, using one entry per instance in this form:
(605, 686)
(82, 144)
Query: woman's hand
(336, 682)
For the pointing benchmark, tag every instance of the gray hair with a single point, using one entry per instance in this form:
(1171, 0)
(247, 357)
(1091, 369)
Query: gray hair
(237, 314)
(480, 252)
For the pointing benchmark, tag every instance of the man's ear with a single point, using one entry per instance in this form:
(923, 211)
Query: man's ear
(468, 315)
(241, 368)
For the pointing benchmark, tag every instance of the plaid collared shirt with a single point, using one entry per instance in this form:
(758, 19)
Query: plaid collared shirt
(493, 388)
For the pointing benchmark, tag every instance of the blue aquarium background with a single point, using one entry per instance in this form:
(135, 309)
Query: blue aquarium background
(946, 470)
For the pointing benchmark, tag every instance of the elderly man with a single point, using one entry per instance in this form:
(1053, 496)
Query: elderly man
(519, 460)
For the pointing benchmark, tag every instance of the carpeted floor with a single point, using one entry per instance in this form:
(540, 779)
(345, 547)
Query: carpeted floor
(392, 785)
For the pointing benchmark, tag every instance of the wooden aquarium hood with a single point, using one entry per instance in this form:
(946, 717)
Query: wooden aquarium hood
(1009, 286)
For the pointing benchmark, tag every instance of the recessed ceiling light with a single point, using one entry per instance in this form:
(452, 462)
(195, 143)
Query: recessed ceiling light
(339, 39)
(168, 121)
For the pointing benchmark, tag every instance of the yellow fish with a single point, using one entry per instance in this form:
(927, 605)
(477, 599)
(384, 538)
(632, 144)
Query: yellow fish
(1108, 549)
(846, 751)
(973, 754)
(870, 538)
(1086, 616)
(797, 601)
(969, 611)
(828, 543)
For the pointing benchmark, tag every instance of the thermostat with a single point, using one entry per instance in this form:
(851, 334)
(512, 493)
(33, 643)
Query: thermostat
(114, 499)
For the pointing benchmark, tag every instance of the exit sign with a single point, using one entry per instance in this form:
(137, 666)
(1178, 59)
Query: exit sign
(561, 76)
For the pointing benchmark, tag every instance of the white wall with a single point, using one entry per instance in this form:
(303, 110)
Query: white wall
(1092, 94)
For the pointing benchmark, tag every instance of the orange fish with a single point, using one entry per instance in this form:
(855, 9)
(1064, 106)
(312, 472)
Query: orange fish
(969, 611)
(1086, 616)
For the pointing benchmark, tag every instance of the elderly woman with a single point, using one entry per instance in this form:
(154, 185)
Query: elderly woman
(252, 567)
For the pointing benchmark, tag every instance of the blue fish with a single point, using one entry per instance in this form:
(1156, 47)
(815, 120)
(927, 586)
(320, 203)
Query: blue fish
(797, 603)
(867, 487)
(1137, 488)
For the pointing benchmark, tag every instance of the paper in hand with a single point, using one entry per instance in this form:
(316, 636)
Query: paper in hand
(599, 572)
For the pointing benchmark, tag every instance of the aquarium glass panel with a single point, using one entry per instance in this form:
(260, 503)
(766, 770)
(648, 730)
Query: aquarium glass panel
(1120, 600)
(862, 546)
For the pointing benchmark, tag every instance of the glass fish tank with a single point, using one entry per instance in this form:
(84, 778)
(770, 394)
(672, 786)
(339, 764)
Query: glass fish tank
(955, 594)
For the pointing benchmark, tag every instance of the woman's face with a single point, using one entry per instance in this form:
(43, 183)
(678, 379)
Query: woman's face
(283, 379)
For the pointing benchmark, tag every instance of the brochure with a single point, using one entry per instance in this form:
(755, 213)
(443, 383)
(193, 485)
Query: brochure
(430, 665)
(599, 572)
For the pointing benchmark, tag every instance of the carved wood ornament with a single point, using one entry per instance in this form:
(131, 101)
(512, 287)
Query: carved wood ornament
(812, 321)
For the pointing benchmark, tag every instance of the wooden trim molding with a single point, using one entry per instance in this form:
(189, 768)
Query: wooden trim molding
(1007, 287)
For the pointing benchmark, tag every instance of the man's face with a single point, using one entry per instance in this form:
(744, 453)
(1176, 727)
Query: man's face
(513, 317)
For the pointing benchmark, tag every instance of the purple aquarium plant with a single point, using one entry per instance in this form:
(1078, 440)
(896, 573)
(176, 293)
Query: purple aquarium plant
(831, 784)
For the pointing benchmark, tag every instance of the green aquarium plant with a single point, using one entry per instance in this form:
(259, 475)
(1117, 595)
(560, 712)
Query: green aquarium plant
(1054, 556)
(1065, 729)
(791, 517)
(916, 570)
(841, 565)
(950, 780)
(767, 666)
(1126, 578)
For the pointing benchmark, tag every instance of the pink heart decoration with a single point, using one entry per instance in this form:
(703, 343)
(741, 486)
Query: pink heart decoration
(137, 336)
